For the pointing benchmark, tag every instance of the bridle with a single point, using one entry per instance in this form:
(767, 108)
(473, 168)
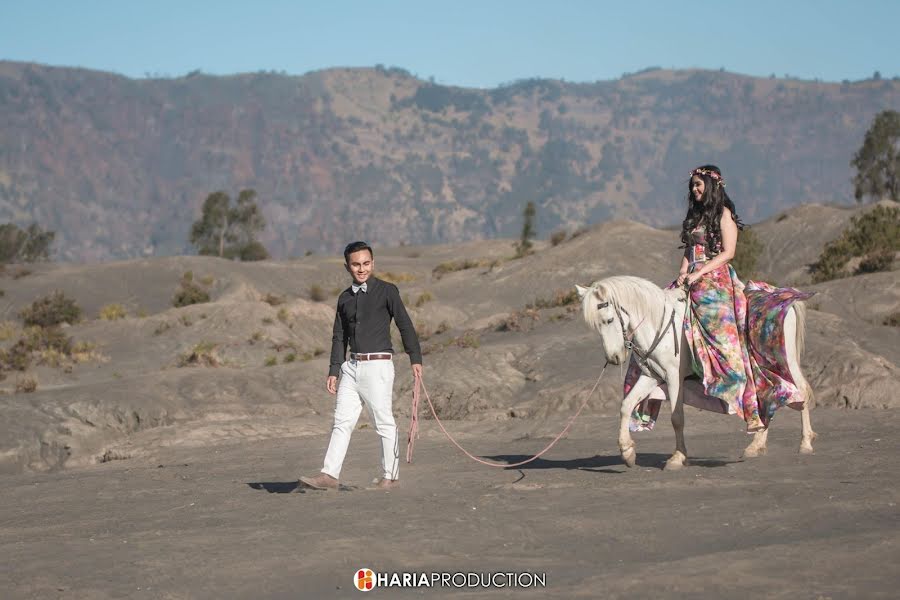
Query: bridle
(642, 356)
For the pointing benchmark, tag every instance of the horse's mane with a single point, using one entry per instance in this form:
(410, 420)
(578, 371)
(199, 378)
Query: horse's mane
(641, 298)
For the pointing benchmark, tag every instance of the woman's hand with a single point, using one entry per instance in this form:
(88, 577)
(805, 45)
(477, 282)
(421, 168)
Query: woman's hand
(692, 278)
(681, 279)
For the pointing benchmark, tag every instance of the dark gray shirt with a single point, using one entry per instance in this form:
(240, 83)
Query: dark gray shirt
(363, 323)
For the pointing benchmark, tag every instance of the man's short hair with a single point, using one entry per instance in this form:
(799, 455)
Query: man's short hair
(356, 247)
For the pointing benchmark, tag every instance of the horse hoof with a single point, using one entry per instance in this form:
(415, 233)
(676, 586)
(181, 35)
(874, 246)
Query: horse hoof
(674, 464)
(753, 452)
(806, 449)
(629, 456)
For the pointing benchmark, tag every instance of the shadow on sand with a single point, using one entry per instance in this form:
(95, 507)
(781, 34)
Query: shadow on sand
(291, 487)
(601, 464)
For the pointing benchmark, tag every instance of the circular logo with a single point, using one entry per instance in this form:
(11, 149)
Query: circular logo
(364, 579)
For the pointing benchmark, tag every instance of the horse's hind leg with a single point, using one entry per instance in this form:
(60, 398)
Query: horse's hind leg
(807, 435)
(758, 446)
(676, 401)
(794, 326)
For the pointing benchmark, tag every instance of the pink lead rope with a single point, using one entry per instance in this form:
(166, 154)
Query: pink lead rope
(414, 426)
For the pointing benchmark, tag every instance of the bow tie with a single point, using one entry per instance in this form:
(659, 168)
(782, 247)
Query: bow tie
(356, 287)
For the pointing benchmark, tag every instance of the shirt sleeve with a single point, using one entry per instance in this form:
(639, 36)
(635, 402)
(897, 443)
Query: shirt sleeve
(405, 325)
(338, 348)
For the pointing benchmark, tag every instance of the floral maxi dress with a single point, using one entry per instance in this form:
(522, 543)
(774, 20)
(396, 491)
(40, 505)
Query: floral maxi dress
(735, 333)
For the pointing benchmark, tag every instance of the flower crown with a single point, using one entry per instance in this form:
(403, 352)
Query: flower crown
(717, 177)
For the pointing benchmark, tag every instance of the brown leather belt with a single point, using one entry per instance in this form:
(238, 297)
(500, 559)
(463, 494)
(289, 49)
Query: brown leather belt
(371, 356)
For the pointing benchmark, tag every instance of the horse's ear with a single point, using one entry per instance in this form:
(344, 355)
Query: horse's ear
(581, 291)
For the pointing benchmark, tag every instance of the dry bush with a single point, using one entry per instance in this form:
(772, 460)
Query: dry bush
(461, 265)
(579, 232)
(207, 280)
(8, 330)
(516, 321)
(202, 355)
(558, 237)
(20, 273)
(424, 298)
(112, 312)
(163, 326)
(51, 310)
(283, 315)
(317, 294)
(26, 385)
(395, 278)
(256, 337)
(892, 320)
(467, 340)
(563, 297)
(271, 361)
(289, 358)
(311, 355)
(273, 299)
(85, 352)
(441, 328)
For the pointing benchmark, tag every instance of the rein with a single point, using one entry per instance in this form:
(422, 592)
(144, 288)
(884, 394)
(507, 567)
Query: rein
(414, 426)
(643, 357)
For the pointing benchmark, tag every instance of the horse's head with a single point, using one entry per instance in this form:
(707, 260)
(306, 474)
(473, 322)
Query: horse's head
(601, 312)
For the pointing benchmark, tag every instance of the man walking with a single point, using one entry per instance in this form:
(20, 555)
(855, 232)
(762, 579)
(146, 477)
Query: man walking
(363, 322)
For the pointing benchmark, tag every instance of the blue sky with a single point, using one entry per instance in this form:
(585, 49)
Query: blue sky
(461, 42)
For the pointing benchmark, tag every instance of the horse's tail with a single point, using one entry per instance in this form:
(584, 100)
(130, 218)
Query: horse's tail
(800, 313)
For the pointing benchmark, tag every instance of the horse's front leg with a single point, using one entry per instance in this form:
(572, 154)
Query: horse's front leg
(676, 401)
(642, 388)
(758, 446)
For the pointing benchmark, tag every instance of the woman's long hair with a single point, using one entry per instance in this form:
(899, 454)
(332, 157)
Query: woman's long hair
(708, 210)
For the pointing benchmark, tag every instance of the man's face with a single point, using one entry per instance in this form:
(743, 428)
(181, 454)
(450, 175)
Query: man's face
(360, 265)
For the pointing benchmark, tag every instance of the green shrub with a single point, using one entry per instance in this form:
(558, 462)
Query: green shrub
(271, 361)
(746, 254)
(873, 234)
(880, 260)
(51, 310)
(189, 292)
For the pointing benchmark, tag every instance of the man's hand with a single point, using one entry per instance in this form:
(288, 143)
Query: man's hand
(331, 384)
(417, 371)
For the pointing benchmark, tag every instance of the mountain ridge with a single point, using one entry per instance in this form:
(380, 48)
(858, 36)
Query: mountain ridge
(119, 167)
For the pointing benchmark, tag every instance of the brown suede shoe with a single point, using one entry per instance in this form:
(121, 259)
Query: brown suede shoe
(387, 484)
(322, 481)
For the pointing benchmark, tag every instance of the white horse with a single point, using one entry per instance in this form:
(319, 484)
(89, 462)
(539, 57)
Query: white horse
(631, 313)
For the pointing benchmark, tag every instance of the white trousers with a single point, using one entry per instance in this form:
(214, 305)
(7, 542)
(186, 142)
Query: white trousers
(369, 382)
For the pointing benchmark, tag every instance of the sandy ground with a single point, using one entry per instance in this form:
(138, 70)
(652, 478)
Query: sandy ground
(218, 521)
